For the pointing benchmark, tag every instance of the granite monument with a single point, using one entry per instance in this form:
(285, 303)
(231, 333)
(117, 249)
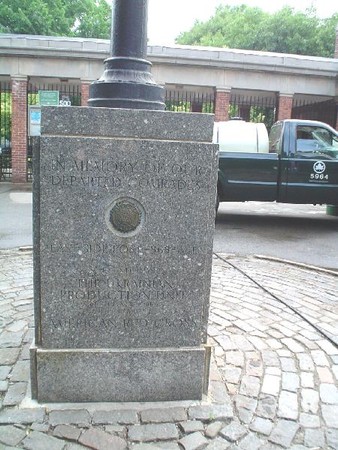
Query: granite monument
(124, 206)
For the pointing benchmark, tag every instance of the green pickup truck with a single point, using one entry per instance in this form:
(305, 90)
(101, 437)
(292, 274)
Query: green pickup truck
(299, 165)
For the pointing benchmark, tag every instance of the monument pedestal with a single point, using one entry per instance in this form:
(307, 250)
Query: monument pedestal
(142, 375)
(124, 205)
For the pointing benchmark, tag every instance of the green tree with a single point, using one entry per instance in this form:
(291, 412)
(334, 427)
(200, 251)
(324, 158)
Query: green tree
(96, 23)
(83, 18)
(286, 31)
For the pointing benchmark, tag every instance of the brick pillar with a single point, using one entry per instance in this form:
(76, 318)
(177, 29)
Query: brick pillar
(222, 102)
(285, 107)
(84, 92)
(19, 129)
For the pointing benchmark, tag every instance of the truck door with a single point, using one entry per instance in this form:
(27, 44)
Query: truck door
(312, 168)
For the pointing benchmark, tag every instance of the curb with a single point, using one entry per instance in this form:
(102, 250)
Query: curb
(297, 264)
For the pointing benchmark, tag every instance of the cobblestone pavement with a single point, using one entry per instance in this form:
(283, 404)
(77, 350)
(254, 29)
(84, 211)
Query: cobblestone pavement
(274, 329)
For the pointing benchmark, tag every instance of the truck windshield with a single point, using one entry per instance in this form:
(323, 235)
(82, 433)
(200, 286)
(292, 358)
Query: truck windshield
(316, 142)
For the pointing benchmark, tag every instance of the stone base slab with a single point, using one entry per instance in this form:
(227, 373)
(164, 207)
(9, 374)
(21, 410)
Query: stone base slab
(105, 375)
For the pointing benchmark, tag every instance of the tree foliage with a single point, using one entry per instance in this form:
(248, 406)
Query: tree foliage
(82, 18)
(250, 28)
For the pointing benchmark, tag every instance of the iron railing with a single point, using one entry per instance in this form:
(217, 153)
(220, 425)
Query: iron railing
(323, 111)
(185, 101)
(70, 93)
(253, 108)
(5, 130)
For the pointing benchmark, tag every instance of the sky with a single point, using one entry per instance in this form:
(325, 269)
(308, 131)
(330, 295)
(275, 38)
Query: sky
(168, 18)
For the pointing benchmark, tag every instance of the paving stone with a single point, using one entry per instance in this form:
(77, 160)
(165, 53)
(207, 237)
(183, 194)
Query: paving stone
(288, 405)
(124, 417)
(73, 446)
(23, 416)
(3, 386)
(218, 444)
(168, 446)
(245, 402)
(213, 429)
(334, 369)
(233, 431)
(211, 412)
(232, 374)
(319, 357)
(11, 435)
(100, 440)
(67, 432)
(218, 392)
(325, 375)
(145, 447)
(263, 426)
(250, 441)
(250, 386)
(254, 365)
(267, 406)
(157, 446)
(43, 427)
(79, 417)
(190, 426)
(15, 394)
(17, 326)
(307, 380)
(246, 407)
(271, 384)
(292, 345)
(20, 371)
(8, 356)
(288, 365)
(328, 348)
(290, 381)
(160, 415)
(4, 372)
(41, 441)
(309, 420)
(332, 438)
(314, 437)
(328, 393)
(284, 432)
(300, 447)
(153, 432)
(9, 339)
(330, 414)
(273, 371)
(235, 358)
(310, 400)
(118, 430)
(194, 441)
(245, 415)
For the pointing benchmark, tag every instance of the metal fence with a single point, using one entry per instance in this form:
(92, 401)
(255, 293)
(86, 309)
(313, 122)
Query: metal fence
(260, 107)
(67, 92)
(185, 101)
(254, 108)
(5, 130)
(70, 92)
(324, 111)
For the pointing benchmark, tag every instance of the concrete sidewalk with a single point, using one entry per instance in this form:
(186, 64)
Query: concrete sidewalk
(274, 328)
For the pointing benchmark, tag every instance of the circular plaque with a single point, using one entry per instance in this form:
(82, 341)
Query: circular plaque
(125, 216)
